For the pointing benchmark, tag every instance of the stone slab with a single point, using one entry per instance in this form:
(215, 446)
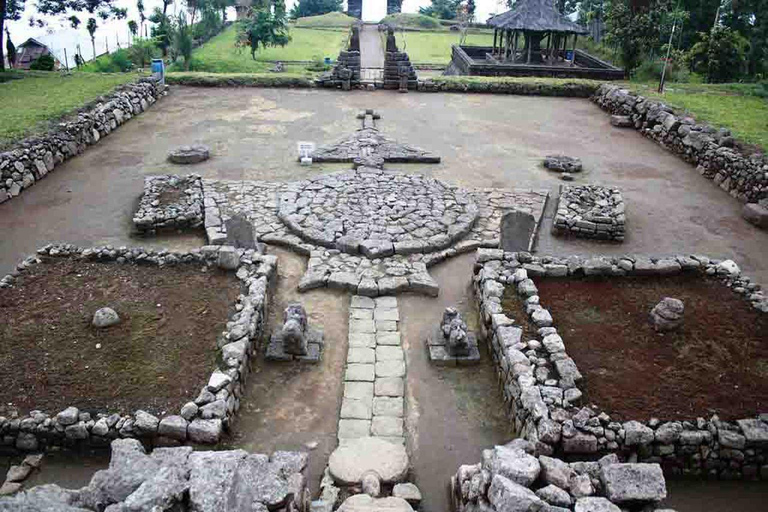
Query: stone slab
(350, 462)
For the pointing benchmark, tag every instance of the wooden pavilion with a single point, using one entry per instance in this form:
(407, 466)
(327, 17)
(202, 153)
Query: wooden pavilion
(535, 20)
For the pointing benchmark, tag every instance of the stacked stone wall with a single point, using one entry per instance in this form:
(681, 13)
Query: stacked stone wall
(32, 159)
(204, 418)
(540, 381)
(712, 151)
(393, 61)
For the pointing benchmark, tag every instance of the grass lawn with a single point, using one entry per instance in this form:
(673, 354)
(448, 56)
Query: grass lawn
(435, 47)
(219, 55)
(26, 105)
(331, 19)
(734, 106)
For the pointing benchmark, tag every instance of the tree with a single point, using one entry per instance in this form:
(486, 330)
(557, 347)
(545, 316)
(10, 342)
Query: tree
(142, 17)
(441, 9)
(43, 63)
(636, 28)
(471, 10)
(133, 28)
(10, 49)
(91, 26)
(720, 55)
(183, 40)
(304, 8)
(9, 10)
(162, 31)
(263, 28)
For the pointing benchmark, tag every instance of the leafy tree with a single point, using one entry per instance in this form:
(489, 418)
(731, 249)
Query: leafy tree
(43, 63)
(471, 10)
(142, 51)
(10, 49)
(441, 9)
(263, 28)
(133, 28)
(183, 40)
(142, 17)
(304, 8)
(635, 28)
(162, 31)
(74, 22)
(9, 10)
(210, 22)
(720, 55)
(91, 26)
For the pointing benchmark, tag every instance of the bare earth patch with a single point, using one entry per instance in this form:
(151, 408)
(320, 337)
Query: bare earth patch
(717, 363)
(155, 359)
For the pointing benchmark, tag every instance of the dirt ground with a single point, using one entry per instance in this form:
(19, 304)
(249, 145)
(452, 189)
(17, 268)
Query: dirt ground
(717, 362)
(155, 359)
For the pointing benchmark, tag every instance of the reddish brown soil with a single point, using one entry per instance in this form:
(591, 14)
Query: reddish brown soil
(156, 358)
(717, 363)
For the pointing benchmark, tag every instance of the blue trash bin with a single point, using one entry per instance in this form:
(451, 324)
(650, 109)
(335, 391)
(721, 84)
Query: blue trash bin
(569, 55)
(327, 61)
(158, 69)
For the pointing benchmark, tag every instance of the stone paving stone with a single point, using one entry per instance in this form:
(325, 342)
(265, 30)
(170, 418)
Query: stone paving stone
(361, 355)
(389, 369)
(359, 372)
(362, 302)
(388, 338)
(386, 325)
(388, 406)
(389, 386)
(388, 302)
(357, 326)
(356, 409)
(358, 390)
(389, 353)
(393, 439)
(367, 339)
(361, 314)
(387, 426)
(386, 314)
(352, 429)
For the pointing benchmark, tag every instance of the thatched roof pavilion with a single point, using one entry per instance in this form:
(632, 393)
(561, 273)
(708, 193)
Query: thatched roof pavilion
(535, 20)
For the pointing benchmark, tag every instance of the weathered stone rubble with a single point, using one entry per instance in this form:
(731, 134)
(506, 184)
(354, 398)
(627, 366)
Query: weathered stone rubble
(515, 478)
(186, 155)
(711, 151)
(181, 480)
(204, 418)
(667, 315)
(756, 213)
(32, 159)
(368, 142)
(183, 210)
(590, 211)
(541, 381)
(562, 163)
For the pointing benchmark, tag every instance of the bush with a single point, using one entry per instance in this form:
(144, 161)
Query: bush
(677, 69)
(720, 55)
(43, 63)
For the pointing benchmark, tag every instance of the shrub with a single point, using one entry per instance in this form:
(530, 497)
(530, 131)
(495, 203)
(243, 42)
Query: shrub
(43, 63)
(720, 55)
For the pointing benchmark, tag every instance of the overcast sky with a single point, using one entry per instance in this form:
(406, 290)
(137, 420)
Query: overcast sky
(58, 35)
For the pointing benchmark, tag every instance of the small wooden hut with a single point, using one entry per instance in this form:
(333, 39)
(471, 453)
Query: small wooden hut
(536, 20)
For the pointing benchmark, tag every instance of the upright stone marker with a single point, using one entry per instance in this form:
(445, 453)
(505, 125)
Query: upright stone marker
(517, 230)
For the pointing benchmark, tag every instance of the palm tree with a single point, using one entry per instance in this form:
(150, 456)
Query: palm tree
(91, 26)
(142, 18)
(133, 27)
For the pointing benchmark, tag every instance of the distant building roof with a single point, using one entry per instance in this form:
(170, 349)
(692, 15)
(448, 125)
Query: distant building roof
(536, 16)
(30, 42)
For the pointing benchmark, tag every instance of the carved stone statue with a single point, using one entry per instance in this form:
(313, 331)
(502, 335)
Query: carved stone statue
(391, 41)
(295, 330)
(403, 73)
(345, 75)
(454, 333)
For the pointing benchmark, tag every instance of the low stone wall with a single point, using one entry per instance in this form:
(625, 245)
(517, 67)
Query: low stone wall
(541, 382)
(393, 61)
(521, 86)
(33, 158)
(590, 211)
(180, 479)
(710, 150)
(515, 477)
(201, 420)
(170, 202)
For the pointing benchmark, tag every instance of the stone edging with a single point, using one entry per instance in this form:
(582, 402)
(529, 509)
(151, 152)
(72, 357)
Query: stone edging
(201, 420)
(185, 212)
(31, 159)
(544, 408)
(585, 217)
(710, 150)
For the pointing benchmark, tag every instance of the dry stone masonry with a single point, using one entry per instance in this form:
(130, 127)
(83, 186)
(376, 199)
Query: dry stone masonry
(170, 202)
(712, 151)
(590, 211)
(204, 418)
(32, 159)
(181, 480)
(515, 478)
(541, 381)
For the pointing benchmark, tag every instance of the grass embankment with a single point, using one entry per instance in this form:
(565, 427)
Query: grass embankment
(29, 104)
(411, 20)
(296, 80)
(219, 55)
(738, 107)
(329, 20)
(434, 47)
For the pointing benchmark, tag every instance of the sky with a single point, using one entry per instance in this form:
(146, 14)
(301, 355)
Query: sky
(58, 35)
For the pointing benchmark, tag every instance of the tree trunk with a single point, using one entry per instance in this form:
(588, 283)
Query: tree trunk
(93, 46)
(2, 34)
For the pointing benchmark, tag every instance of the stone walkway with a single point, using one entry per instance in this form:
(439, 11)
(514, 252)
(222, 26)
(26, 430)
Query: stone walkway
(374, 380)
(371, 51)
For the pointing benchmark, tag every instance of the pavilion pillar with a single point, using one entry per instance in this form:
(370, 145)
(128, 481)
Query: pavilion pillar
(495, 35)
(528, 41)
(508, 45)
(514, 47)
(575, 39)
(549, 47)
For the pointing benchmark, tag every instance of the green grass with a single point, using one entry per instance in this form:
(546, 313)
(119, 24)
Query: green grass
(733, 106)
(435, 47)
(296, 80)
(28, 104)
(538, 86)
(410, 20)
(219, 55)
(331, 19)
